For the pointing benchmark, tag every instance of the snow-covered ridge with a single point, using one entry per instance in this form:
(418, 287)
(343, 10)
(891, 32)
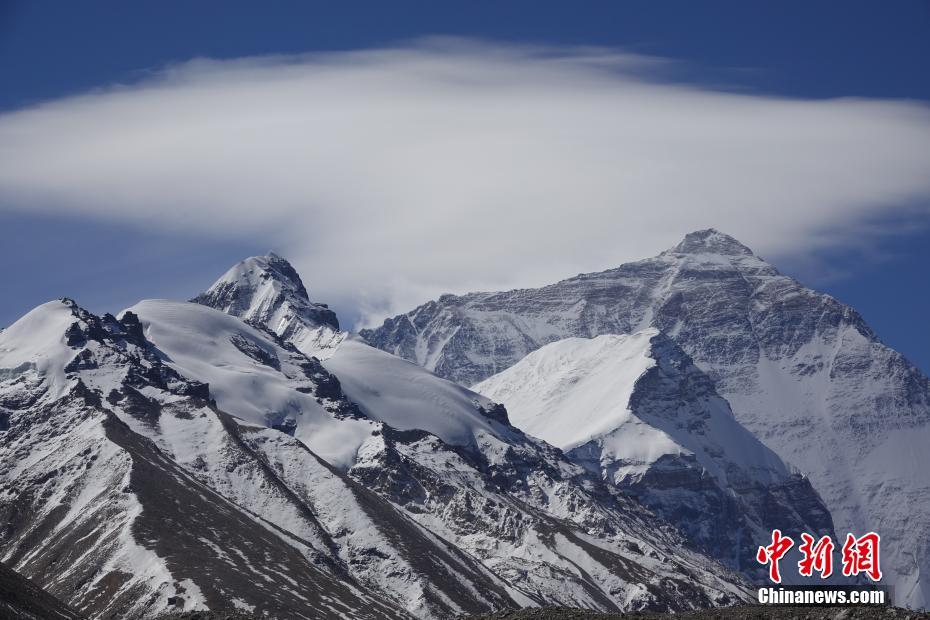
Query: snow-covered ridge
(575, 390)
(407, 397)
(267, 293)
(579, 390)
(635, 409)
(269, 384)
(252, 376)
(36, 340)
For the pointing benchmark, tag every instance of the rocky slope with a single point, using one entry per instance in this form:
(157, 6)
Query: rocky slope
(754, 612)
(802, 371)
(21, 599)
(635, 409)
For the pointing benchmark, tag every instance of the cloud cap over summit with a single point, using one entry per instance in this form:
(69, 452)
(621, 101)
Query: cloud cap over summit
(395, 174)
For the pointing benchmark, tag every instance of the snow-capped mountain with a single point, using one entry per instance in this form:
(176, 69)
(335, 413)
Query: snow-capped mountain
(118, 481)
(266, 290)
(635, 409)
(802, 371)
(450, 458)
(178, 457)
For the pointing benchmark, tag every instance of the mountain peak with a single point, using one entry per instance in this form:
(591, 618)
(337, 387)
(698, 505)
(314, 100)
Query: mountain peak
(252, 279)
(710, 241)
(267, 291)
(273, 267)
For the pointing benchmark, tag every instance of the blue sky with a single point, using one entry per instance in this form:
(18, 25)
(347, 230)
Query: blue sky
(799, 50)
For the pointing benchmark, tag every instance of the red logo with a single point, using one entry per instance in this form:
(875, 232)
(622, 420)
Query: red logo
(817, 557)
(773, 553)
(860, 555)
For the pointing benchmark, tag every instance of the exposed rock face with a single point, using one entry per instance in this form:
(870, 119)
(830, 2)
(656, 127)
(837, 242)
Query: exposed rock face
(532, 519)
(802, 371)
(637, 411)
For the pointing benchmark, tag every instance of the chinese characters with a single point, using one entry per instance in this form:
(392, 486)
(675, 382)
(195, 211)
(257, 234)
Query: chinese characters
(859, 555)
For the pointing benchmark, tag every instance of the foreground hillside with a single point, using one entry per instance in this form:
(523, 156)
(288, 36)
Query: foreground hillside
(755, 612)
(21, 599)
(749, 612)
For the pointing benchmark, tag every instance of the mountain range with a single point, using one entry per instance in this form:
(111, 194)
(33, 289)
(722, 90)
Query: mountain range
(242, 451)
(616, 441)
(800, 370)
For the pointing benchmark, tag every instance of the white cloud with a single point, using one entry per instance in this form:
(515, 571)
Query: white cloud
(390, 176)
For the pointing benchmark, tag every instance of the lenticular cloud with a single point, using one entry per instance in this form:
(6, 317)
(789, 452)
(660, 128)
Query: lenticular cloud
(392, 175)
